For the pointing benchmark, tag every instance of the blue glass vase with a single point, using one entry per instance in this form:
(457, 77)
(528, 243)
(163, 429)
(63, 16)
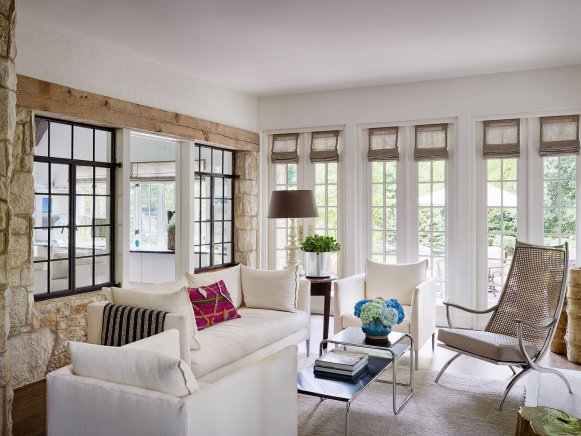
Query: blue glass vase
(376, 330)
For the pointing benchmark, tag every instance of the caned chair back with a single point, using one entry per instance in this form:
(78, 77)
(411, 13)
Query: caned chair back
(534, 291)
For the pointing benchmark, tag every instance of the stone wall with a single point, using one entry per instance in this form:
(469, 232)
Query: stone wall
(7, 127)
(38, 331)
(246, 208)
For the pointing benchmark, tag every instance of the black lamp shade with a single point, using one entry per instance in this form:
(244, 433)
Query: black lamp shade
(292, 204)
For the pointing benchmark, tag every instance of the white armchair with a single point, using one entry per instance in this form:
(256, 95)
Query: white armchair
(407, 283)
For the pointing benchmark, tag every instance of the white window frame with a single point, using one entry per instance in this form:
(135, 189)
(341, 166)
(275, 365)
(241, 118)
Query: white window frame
(530, 188)
(305, 180)
(407, 191)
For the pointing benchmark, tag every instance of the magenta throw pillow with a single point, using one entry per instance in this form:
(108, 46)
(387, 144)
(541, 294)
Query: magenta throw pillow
(212, 304)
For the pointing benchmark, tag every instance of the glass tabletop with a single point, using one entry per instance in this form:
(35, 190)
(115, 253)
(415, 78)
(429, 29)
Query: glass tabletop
(309, 383)
(354, 339)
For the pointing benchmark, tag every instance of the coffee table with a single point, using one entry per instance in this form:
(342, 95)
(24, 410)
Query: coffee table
(381, 357)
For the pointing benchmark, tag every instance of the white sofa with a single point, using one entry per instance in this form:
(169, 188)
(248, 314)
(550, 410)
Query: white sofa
(414, 291)
(258, 400)
(234, 344)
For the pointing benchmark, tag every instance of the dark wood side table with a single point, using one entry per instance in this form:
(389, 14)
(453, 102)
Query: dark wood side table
(321, 287)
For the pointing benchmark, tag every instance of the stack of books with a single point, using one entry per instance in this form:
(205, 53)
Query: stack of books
(342, 365)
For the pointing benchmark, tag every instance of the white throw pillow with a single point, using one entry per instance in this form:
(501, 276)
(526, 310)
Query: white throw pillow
(230, 276)
(394, 281)
(145, 369)
(159, 298)
(276, 290)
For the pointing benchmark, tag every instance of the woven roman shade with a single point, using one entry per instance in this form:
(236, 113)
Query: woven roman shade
(284, 148)
(431, 142)
(153, 171)
(324, 146)
(383, 144)
(559, 135)
(501, 139)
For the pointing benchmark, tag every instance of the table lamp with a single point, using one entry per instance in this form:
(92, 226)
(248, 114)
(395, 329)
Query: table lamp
(293, 204)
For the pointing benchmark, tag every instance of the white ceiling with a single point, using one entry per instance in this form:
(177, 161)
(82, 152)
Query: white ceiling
(268, 47)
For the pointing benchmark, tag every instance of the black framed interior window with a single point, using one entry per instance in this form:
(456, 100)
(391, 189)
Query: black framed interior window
(213, 207)
(74, 180)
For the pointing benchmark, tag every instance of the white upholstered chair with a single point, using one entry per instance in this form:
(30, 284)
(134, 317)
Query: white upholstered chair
(405, 282)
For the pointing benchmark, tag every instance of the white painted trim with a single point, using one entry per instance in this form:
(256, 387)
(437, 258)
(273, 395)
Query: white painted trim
(122, 238)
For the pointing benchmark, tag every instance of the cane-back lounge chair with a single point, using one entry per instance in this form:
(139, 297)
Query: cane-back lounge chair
(524, 320)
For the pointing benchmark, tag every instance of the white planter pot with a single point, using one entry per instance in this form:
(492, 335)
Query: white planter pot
(317, 265)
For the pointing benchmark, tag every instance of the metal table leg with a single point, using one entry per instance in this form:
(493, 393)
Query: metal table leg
(347, 418)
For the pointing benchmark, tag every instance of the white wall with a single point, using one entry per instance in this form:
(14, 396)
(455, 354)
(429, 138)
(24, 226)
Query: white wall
(465, 99)
(51, 54)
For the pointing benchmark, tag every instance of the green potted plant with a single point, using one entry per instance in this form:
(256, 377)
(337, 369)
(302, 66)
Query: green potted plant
(318, 249)
(171, 233)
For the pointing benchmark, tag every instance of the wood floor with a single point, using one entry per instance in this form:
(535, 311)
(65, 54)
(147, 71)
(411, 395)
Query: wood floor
(29, 407)
(29, 410)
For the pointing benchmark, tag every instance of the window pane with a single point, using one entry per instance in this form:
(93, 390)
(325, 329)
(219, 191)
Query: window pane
(59, 275)
(502, 220)
(84, 212)
(103, 147)
(227, 231)
(59, 178)
(40, 174)
(84, 272)
(60, 140)
(217, 163)
(227, 249)
(84, 241)
(84, 183)
(59, 210)
(559, 223)
(102, 181)
(217, 232)
(205, 159)
(228, 162)
(228, 188)
(102, 239)
(102, 269)
(432, 220)
(383, 212)
(83, 143)
(41, 148)
(103, 210)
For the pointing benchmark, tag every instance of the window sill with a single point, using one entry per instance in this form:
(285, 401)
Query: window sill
(153, 251)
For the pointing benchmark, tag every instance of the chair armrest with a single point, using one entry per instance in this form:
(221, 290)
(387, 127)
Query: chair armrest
(423, 323)
(95, 321)
(172, 321)
(348, 291)
(465, 309)
(260, 399)
(538, 326)
(167, 342)
(86, 406)
(304, 300)
(519, 326)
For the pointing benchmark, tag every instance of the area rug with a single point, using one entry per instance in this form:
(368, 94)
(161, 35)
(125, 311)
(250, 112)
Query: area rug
(458, 405)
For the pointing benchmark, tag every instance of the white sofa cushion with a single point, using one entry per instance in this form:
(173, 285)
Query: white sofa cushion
(168, 297)
(394, 281)
(230, 276)
(275, 290)
(141, 368)
(229, 341)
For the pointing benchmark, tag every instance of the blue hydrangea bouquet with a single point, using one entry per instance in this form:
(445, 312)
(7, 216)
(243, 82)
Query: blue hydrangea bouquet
(378, 315)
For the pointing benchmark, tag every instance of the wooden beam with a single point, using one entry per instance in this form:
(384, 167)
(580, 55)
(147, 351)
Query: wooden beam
(60, 101)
